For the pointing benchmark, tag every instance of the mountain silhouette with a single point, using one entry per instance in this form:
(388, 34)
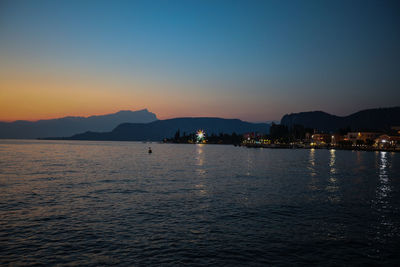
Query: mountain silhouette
(379, 119)
(158, 130)
(68, 126)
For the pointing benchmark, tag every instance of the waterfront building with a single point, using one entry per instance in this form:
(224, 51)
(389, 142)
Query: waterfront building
(252, 137)
(361, 136)
(320, 139)
(385, 141)
(336, 139)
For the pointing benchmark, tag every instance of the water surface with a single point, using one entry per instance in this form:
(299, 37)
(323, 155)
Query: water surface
(102, 203)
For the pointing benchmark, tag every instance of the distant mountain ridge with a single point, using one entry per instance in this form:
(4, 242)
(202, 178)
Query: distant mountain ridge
(379, 119)
(158, 130)
(68, 126)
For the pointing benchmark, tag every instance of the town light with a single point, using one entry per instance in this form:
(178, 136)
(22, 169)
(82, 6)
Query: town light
(200, 135)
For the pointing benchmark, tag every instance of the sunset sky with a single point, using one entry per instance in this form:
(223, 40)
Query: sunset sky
(253, 60)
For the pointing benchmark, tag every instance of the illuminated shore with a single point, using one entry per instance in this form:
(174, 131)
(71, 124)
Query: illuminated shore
(303, 146)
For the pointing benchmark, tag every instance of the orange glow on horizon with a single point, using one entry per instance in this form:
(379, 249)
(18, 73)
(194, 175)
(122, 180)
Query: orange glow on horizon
(39, 95)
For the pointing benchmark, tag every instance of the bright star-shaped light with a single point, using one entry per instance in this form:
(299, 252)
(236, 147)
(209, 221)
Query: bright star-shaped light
(200, 135)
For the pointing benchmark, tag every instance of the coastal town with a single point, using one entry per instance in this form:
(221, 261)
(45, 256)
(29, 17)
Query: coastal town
(357, 140)
(281, 136)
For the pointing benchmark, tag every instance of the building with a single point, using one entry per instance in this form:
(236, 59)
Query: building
(320, 139)
(253, 138)
(361, 136)
(386, 141)
(336, 139)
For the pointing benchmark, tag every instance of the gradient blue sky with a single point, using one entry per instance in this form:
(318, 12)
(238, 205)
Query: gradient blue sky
(253, 60)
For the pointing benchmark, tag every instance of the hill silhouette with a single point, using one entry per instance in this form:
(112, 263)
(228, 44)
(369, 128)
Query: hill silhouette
(158, 130)
(379, 119)
(68, 126)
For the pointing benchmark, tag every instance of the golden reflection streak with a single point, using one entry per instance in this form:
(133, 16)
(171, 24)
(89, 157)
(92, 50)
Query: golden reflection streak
(311, 161)
(332, 161)
(201, 172)
(332, 186)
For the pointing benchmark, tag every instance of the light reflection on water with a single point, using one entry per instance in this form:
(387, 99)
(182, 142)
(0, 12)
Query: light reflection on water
(200, 170)
(333, 187)
(384, 187)
(249, 161)
(386, 228)
(103, 203)
(313, 185)
(200, 160)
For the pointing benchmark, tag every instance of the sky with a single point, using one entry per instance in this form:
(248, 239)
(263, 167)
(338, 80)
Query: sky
(252, 60)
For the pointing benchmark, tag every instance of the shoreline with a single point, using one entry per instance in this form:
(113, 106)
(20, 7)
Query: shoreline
(287, 146)
(247, 145)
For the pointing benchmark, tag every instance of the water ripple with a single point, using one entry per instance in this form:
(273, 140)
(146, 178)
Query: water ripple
(110, 203)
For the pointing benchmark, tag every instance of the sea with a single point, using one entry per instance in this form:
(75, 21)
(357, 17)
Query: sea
(92, 203)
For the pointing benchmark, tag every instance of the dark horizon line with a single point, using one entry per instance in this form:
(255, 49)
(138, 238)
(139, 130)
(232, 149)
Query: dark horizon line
(147, 110)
